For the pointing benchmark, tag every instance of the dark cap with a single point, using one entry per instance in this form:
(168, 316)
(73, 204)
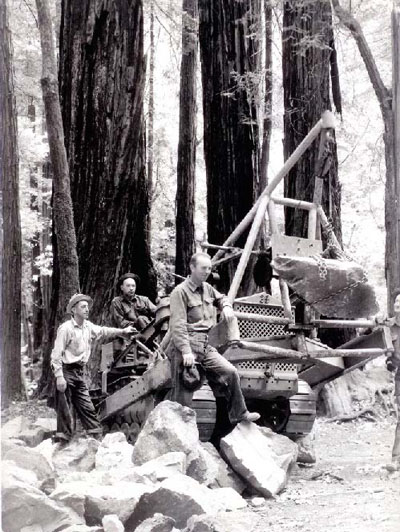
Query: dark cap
(128, 275)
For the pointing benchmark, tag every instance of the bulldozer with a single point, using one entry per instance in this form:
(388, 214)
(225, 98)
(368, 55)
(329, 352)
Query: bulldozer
(278, 354)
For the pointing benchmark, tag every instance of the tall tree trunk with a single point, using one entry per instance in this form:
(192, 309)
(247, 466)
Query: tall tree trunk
(102, 77)
(229, 46)
(10, 332)
(186, 178)
(150, 122)
(267, 121)
(63, 223)
(307, 36)
(389, 106)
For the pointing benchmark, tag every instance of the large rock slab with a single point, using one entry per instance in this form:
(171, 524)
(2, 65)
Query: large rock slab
(224, 476)
(32, 436)
(114, 451)
(77, 455)
(163, 466)
(11, 471)
(350, 295)
(169, 427)
(27, 458)
(260, 457)
(157, 523)
(23, 506)
(229, 499)
(178, 497)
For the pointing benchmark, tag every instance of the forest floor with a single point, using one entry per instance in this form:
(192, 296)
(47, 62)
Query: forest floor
(347, 490)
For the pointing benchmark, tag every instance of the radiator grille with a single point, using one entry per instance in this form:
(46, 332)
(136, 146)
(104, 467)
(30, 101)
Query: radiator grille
(249, 329)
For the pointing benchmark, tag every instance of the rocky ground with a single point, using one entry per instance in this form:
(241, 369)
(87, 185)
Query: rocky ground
(76, 488)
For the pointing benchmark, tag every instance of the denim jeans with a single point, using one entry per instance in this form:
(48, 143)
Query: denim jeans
(221, 375)
(77, 397)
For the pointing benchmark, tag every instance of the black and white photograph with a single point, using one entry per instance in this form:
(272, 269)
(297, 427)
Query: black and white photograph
(200, 273)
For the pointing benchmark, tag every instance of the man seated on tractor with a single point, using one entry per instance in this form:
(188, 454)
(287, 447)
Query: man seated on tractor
(129, 308)
(70, 354)
(193, 305)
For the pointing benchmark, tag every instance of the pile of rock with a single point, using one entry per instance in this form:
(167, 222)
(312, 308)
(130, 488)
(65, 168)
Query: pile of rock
(168, 481)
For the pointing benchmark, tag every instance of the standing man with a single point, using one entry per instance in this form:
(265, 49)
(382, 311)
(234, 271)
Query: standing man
(68, 360)
(193, 305)
(393, 364)
(130, 308)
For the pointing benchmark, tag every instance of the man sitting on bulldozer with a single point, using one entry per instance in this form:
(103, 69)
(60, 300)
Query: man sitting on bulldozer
(193, 305)
(129, 308)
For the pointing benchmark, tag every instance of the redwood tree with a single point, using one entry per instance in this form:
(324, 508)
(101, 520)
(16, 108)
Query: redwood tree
(307, 55)
(10, 332)
(229, 60)
(102, 77)
(185, 201)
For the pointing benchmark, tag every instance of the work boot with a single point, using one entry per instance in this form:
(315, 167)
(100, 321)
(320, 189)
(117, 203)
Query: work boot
(250, 417)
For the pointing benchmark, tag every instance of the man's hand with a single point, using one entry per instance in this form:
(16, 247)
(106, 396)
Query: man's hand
(228, 313)
(188, 359)
(61, 384)
(128, 331)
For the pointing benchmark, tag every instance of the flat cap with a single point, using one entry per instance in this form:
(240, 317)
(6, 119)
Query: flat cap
(76, 298)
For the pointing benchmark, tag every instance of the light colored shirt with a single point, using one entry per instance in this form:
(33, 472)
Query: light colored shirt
(74, 342)
(193, 309)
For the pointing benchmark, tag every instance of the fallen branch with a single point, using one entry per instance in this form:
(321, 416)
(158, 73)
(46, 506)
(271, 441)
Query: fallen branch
(354, 415)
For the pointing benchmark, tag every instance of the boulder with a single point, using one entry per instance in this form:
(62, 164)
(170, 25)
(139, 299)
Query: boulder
(221, 522)
(229, 499)
(261, 457)
(224, 477)
(27, 458)
(306, 454)
(169, 427)
(111, 523)
(48, 424)
(10, 443)
(114, 451)
(14, 427)
(163, 466)
(78, 455)
(11, 472)
(83, 528)
(202, 466)
(32, 436)
(73, 500)
(24, 505)
(178, 497)
(157, 523)
(47, 449)
(99, 499)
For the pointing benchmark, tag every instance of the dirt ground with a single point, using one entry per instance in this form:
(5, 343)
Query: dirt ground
(347, 490)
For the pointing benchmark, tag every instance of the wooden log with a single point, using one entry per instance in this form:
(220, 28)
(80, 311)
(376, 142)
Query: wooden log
(287, 307)
(244, 259)
(258, 318)
(296, 204)
(291, 161)
(344, 324)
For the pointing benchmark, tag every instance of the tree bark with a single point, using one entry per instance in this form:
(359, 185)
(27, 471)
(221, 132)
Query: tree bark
(63, 223)
(186, 171)
(102, 79)
(307, 34)
(391, 140)
(229, 47)
(10, 333)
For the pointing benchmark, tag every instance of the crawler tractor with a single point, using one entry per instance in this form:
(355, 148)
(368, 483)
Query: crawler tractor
(279, 356)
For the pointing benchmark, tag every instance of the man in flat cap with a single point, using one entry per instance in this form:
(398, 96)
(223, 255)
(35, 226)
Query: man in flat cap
(129, 308)
(68, 360)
